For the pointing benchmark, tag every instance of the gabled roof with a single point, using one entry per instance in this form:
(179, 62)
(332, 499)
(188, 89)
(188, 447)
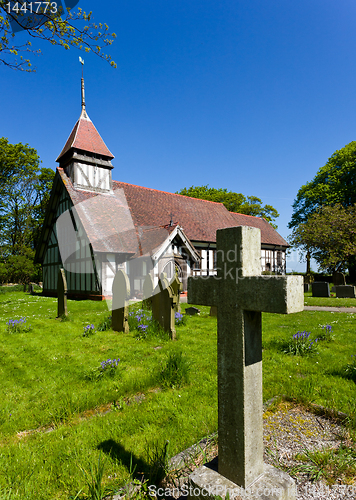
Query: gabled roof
(199, 219)
(154, 212)
(269, 236)
(85, 137)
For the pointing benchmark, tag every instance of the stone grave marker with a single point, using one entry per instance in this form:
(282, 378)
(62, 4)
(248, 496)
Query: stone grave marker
(120, 296)
(192, 311)
(62, 291)
(320, 289)
(241, 293)
(163, 306)
(177, 288)
(213, 311)
(339, 279)
(345, 291)
(147, 292)
(30, 288)
(306, 287)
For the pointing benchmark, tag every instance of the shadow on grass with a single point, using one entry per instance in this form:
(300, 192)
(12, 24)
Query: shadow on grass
(153, 469)
(347, 372)
(118, 453)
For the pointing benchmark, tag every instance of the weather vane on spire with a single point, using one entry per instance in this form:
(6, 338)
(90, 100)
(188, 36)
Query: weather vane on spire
(83, 95)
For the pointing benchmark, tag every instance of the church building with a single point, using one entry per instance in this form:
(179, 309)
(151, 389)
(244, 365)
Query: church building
(95, 226)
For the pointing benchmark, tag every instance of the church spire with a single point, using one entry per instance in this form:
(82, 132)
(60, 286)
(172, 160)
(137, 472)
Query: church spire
(83, 91)
(85, 157)
(83, 95)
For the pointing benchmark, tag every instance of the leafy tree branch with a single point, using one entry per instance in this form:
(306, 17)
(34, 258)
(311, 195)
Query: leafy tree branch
(64, 28)
(329, 235)
(335, 182)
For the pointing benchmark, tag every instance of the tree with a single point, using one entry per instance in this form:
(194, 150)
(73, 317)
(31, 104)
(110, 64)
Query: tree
(24, 194)
(234, 202)
(48, 21)
(329, 235)
(334, 183)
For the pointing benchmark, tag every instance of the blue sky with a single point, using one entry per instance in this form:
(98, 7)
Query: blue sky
(249, 96)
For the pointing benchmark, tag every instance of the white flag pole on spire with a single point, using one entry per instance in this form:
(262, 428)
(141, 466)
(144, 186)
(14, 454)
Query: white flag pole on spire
(82, 63)
(83, 96)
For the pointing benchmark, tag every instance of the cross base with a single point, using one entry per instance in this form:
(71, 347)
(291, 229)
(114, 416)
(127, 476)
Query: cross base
(273, 484)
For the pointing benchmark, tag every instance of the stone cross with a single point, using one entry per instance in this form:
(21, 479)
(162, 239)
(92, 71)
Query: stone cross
(62, 290)
(120, 296)
(163, 306)
(177, 288)
(241, 293)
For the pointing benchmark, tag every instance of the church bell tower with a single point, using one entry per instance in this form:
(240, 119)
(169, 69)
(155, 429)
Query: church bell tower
(85, 158)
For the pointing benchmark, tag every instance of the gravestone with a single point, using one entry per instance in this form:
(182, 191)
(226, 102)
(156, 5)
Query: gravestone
(345, 291)
(339, 279)
(241, 293)
(177, 288)
(120, 296)
(306, 287)
(30, 288)
(320, 289)
(192, 311)
(25, 288)
(62, 291)
(163, 306)
(213, 311)
(147, 292)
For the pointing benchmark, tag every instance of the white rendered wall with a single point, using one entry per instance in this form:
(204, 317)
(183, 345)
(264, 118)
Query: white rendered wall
(92, 177)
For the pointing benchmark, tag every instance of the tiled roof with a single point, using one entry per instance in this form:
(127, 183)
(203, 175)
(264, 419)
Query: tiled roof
(269, 236)
(199, 219)
(106, 219)
(150, 208)
(85, 137)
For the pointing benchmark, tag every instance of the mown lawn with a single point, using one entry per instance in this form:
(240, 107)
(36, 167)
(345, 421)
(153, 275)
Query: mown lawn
(56, 419)
(332, 301)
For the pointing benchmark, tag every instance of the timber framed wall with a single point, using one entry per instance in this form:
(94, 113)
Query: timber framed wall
(81, 280)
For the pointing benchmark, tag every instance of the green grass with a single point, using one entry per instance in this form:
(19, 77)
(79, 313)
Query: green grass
(328, 301)
(329, 464)
(319, 378)
(56, 423)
